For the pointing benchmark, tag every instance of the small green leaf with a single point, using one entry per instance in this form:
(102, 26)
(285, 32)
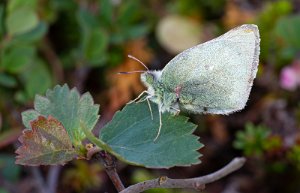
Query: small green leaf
(94, 46)
(94, 40)
(16, 59)
(131, 132)
(7, 80)
(253, 140)
(86, 20)
(28, 116)
(69, 108)
(288, 30)
(137, 31)
(34, 35)
(106, 12)
(21, 20)
(36, 78)
(129, 13)
(47, 143)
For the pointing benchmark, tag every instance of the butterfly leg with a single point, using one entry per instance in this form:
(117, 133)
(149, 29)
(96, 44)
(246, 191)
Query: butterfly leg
(149, 105)
(142, 100)
(160, 124)
(177, 110)
(137, 98)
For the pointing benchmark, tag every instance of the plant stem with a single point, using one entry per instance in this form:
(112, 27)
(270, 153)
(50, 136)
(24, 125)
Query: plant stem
(41, 185)
(193, 183)
(109, 163)
(94, 139)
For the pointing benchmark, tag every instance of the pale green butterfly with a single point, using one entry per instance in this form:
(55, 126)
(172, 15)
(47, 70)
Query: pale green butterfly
(214, 77)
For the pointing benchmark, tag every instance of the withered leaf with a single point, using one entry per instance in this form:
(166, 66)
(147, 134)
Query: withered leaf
(47, 143)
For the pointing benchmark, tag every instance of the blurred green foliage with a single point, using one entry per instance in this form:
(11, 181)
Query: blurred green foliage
(252, 140)
(3, 190)
(82, 176)
(294, 155)
(8, 169)
(267, 21)
(207, 9)
(142, 175)
(87, 37)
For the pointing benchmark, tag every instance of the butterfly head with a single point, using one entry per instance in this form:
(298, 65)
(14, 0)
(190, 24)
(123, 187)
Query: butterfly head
(157, 93)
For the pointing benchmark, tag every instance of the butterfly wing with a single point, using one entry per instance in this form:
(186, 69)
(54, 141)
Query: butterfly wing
(215, 77)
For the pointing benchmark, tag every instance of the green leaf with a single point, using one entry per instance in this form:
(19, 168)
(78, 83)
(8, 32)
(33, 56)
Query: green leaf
(34, 35)
(86, 20)
(28, 116)
(131, 132)
(69, 108)
(288, 30)
(267, 19)
(137, 31)
(253, 140)
(36, 78)
(106, 12)
(95, 46)
(16, 4)
(129, 13)
(47, 143)
(7, 80)
(21, 20)
(16, 59)
(94, 41)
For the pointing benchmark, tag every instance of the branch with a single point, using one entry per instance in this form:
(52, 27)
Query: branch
(40, 182)
(193, 183)
(52, 178)
(109, 163)
(50, 185)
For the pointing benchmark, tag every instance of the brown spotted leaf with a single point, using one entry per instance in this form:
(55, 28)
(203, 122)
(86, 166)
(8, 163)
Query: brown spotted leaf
(47, 143)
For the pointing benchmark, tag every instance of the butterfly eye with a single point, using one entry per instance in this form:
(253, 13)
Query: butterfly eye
(147, 77)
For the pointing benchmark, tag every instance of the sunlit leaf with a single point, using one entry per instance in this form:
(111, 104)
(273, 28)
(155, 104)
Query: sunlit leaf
(21, 20)
(35, 34)
(47, 143)
(177, 33)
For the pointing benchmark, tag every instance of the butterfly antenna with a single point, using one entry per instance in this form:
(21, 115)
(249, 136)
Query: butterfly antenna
(131, 72)
(134, 58)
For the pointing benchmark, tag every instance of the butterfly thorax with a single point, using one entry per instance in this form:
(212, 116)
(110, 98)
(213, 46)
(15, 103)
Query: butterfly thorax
(158, 93)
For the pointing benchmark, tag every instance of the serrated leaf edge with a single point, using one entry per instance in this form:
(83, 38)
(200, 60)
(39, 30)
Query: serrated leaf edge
(185, 120)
